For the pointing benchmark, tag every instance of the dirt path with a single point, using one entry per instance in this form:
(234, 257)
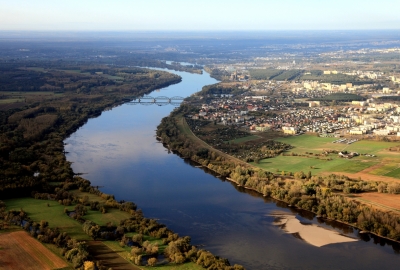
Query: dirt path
(110, 258)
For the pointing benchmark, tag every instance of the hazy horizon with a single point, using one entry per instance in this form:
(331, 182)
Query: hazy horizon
(206, 15)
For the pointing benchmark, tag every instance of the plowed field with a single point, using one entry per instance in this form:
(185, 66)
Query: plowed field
(18, 250)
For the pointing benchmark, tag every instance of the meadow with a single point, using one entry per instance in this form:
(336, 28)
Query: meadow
(385, 162)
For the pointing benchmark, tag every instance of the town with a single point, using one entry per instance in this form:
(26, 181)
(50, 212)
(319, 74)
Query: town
(366, 105)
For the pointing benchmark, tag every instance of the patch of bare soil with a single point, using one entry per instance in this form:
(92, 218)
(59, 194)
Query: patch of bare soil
(380, 200)
(19, 250)
(365, 176)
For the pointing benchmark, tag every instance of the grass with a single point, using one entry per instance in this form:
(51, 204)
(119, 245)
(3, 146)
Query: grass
(296, 164)
(316, 145)
(112, 215)
(309, 143)
(385, 169)
(352, 166)
(395, 173)
(38, 210)
(92, 197)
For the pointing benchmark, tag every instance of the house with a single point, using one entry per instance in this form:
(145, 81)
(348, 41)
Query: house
(262, 128)
(290, 130)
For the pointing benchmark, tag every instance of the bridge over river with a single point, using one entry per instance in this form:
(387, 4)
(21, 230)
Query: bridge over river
(163, 100)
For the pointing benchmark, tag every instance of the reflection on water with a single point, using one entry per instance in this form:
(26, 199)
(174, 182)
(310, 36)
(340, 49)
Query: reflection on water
(118, 150)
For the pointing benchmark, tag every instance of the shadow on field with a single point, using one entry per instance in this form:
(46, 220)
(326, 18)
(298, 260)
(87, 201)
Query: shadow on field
(110, 258)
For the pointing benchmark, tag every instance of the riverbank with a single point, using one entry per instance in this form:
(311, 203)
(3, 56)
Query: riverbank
(309, 194)
(294, 207)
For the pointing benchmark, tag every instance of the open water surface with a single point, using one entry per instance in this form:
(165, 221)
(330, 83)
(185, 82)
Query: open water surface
(118, 150)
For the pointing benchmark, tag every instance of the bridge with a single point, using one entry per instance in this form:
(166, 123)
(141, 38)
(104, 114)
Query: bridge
(160, 101)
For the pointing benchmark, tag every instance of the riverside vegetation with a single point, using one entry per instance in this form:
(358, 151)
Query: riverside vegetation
(34, 122)
(323, 195)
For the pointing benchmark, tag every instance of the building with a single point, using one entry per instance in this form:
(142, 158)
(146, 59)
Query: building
(262, 128)
(327, 86)
(289, 130)
(312, 104)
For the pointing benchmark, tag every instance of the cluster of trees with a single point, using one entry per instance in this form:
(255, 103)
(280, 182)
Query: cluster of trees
(181, 250)
(221, 134)
(91, 229)
(219, 89)
(218, 74)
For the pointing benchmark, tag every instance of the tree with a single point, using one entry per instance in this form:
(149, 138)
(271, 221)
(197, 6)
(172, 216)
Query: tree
(94, 231)
(138, 238)
(89, 265)
(135, 251)
(152, 261)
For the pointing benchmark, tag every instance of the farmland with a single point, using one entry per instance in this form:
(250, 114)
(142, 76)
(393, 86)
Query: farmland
(111, 252)
(306, 156)
(20, 251)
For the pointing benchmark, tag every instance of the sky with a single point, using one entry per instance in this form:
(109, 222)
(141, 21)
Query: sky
(189, 15)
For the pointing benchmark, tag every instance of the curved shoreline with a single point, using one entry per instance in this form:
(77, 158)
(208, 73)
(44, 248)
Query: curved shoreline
(363, 231)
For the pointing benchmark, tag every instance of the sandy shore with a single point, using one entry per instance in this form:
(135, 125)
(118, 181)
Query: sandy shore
(312, 234)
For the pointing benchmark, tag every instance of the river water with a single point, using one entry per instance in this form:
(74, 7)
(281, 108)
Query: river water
(118, 150)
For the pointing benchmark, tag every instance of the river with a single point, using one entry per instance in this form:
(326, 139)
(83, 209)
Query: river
(118, 150)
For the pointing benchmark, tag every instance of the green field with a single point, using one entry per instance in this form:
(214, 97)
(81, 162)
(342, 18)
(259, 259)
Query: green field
(38, 210)
(54, 214)
(112, 215)
(312, 144)
(386, 169)
(395, 173)
(305, 164)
